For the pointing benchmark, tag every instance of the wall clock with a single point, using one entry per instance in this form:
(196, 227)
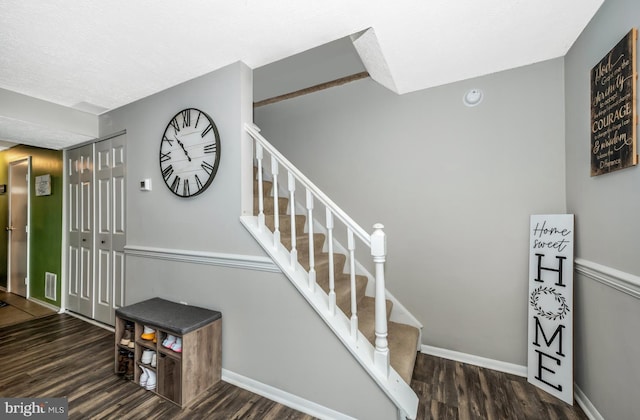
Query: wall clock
(189, 152)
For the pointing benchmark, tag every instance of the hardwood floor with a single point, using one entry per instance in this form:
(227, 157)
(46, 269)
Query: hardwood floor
(20, 309)
(455, 390)
(61, 355)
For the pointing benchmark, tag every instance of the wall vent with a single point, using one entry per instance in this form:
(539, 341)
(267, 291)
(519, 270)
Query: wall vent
(50, 281)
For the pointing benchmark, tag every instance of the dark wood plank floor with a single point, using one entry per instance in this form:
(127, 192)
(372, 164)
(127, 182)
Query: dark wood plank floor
(458, 391)
(63, 356)
(20, 309)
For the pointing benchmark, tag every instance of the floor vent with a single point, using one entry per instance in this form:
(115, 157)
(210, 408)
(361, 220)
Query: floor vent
(50, 281)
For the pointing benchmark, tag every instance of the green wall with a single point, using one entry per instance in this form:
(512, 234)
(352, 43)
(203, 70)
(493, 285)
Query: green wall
(46, 218)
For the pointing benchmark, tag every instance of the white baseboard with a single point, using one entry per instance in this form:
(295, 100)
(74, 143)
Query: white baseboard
(475, 360)
(586, 405)
(282, 397)
(91, 321)
(46, 305)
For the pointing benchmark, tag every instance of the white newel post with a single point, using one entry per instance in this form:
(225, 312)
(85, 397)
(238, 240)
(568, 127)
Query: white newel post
(259, 155)
(379, 253)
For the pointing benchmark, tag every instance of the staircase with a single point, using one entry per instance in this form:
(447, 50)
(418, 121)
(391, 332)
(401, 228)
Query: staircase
(353, 302)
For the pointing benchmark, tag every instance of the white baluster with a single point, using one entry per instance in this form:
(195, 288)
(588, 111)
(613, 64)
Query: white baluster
(276, 214)
(351, 246)
(332, 292)
(379, 252)
(292, 207)
(312, 269)
(259, 155)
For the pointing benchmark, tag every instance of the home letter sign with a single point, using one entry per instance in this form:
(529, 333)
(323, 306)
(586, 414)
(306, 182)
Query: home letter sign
(550, 346)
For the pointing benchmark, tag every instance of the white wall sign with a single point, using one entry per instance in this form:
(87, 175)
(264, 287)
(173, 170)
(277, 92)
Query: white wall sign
(550, 360)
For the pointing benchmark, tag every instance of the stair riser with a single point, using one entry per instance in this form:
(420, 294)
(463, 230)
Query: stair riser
(321, 264)
(343, 292)
(268, 208)
(302, 243)
(285, 224)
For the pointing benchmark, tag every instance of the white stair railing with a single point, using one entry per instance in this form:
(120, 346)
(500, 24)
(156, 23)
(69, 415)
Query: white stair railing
(376, 242)
(375, 359)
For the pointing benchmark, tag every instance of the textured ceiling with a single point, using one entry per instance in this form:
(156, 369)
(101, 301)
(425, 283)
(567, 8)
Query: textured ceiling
(96, 55)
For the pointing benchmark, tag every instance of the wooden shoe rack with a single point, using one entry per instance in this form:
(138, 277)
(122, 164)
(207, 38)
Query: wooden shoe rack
(180, 377)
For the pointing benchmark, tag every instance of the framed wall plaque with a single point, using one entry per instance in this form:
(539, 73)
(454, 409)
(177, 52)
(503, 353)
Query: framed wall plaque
(43, 185)
(613, 108)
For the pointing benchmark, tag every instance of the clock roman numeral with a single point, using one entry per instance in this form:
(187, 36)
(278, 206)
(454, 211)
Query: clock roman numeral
(210, 148)
(185, 188)
(175, 125)
(207, 167)
(206, 130)
(165, 138)
(165, 156)
(186, 118)
(175, 184)
(167, 172)
(197, 120)
(198, 182)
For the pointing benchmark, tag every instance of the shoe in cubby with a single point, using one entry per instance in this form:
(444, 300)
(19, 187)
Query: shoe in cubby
(148, 333)
(147, 356)
(177, 346)
(169, 341)
(127, 336)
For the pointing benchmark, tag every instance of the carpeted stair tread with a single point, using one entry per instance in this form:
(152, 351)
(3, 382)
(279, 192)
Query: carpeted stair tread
(267, 205)
(285, 223)
(321, 265)
(342, 287)
(367, 317)
(403, 348)
(401, 338)
(302, 243)
(267, 186)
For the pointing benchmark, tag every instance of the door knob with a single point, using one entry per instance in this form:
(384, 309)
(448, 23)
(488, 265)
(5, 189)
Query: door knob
(9, 228)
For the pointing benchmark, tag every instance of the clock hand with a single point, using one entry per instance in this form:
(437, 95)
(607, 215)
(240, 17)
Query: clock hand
(183, 149)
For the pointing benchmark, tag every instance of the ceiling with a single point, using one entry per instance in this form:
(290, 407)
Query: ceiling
(92, 56)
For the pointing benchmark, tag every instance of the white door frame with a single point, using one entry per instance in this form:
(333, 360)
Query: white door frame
(9, 236)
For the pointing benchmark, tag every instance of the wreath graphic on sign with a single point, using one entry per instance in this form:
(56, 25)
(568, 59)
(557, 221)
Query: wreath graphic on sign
(562, 310)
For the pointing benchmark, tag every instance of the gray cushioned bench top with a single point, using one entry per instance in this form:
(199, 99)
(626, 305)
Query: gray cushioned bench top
(169, 316)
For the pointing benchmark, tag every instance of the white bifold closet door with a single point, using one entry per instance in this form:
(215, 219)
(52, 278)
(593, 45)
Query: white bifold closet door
(97, 233)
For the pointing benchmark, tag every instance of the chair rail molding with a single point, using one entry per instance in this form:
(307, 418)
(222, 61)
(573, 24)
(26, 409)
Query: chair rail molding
(247, 262)
(616, 279)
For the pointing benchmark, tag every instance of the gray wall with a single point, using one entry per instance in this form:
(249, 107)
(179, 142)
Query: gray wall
(270, 334)
(607, 208)
(325, 63)
(454, 187)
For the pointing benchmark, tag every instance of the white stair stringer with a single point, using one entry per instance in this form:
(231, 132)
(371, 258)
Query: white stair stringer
(398, 391)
